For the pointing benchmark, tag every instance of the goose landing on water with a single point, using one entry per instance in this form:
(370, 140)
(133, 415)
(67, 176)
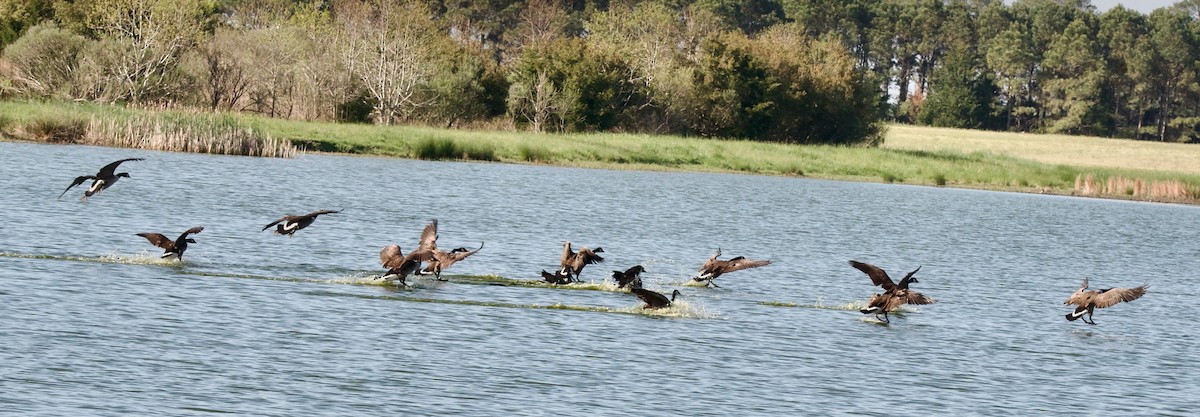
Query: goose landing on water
(571, 263)
(442, 260)
(399, 265)
(1087, 301)
(173, 247)
(653, 299)
(289, 224)
(106, 177)
(714, 268)
(894, 295)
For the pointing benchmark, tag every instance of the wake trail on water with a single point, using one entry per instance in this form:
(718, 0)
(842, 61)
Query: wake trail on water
(678, 309)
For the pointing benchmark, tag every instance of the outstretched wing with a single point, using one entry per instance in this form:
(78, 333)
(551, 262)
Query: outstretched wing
(740, 263)
(110, 169)
(196, 229)
(913, 297)
(878, 276)
(589, 256)
(320, 212)
(78, 180)
(565, 259)
(157, 239)
(284, 218)
(1112, 296)
(391, 257)
(1079, 297)
(428, 237)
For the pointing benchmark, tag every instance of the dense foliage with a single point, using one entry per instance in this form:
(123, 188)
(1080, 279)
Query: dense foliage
(797, 71)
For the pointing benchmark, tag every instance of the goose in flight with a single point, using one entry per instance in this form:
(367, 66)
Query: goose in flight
(399, 265)
(172, 247)
(714, 268)
(894, 295)
(106, 177)
(289, 224)
(1087, 301)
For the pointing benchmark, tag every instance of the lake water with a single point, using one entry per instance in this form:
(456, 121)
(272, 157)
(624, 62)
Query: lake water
(93, 323)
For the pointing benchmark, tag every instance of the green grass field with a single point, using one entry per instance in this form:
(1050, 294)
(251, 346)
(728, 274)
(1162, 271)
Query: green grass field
(1056, 164)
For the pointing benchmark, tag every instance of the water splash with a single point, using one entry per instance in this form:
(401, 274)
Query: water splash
(144, 258)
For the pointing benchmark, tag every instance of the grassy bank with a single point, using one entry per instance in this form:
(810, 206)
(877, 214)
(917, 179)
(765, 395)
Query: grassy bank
(911, 155)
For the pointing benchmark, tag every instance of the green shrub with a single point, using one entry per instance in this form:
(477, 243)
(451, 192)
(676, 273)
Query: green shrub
(437, 149)
(939, 179)
(530, 153)
(479, 152)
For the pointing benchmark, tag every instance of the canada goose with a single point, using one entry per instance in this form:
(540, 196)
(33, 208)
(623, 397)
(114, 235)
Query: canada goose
(442, 260)
(713, 268)
(572, 262)
(400, 266)
(556, 278)
(894, 295)
(653, 299)
(175, 247)
(630, 278)
(880, 277)
(891, 300)
(103, 179)
(1087, 301)
(289, 224)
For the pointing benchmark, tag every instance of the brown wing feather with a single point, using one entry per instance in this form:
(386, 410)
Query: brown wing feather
(157, 239)
(428, 238)
(193, 230)
(320, 212)
(1115, 295)
(587, 257)
(391, 256)
(286, 217)
(913, 297)
(740, 263)
(565, 259)
(878, 276)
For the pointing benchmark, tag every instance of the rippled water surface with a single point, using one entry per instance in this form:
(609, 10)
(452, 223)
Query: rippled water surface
(92, 322)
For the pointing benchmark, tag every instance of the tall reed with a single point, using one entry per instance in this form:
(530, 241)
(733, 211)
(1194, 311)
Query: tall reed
(191, 133)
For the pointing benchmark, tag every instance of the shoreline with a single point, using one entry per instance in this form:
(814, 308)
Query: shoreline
(1062, 165)
(683, 170)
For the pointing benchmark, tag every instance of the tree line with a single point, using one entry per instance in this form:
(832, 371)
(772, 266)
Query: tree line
(796, 71)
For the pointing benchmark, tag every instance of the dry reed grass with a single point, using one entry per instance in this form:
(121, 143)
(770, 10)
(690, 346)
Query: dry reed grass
(199, 134)
(1164, 190)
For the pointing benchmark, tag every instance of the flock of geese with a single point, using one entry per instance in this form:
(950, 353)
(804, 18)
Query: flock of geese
(571, 263)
